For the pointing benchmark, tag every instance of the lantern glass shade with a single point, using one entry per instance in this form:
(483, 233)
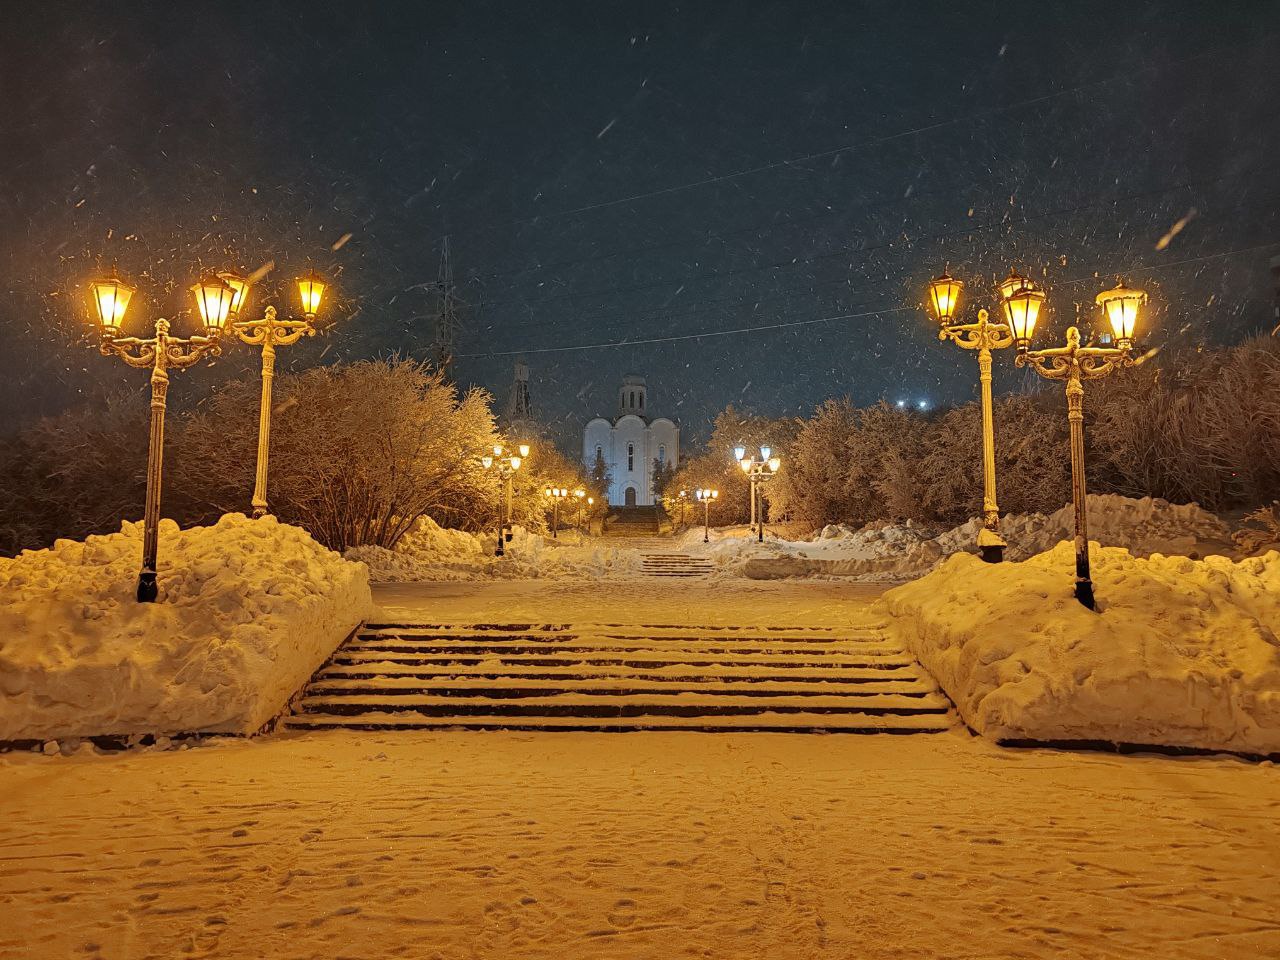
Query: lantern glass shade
(524, 449)
(715, 494)
(110, 300)
(774, 464)
(739, 453)
(213, 298)
(239, 290)
(1122, 306)
(765, 452)
(515, 463)
(486, 461)
(497, 449)
(1021, 303)
(745, 465)
(944, 297)
(311, 289)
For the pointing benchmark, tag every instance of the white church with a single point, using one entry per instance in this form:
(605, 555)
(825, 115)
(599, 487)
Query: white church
(630, 443)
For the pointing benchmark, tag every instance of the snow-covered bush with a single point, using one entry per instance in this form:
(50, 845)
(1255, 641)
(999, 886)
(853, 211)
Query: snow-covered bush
(358, 451)
(1181, 653)
(248, 610)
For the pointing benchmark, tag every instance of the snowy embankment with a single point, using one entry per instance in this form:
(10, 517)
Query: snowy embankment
(1181, 652)
(431, 552)
(895, 552)
(248, 610)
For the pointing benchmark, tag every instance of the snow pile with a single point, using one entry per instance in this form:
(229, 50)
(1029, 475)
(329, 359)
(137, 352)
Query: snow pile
(896, 552)
(431, 552)
(248, 610)
(1181, 653)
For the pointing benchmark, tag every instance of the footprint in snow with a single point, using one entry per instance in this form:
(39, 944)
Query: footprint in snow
(623, 913)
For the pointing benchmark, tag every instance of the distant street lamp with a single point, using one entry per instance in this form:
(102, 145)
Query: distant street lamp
(161, 353)
(983, 336)
(555, 494)
(682, 499)
(270, 332)
(758, 472)
(581, 496)
(506, 465)
(1074, 364)
(706, 496)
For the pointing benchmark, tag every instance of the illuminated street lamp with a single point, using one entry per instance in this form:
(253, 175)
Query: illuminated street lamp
(555, 494)
(581, 496)
(270, 332)
(1074, 364)
(758, 472)
(944, 299)
(161, 353)
(706, 496)
(682, 499)
(506, 464)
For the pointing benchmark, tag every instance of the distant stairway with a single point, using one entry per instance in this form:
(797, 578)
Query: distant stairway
(680, 565)
(522, 677)
(631, 522)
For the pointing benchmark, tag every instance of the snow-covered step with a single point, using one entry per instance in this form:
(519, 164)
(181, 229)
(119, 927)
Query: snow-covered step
(678, 565)
(755, 723)
(576, 677)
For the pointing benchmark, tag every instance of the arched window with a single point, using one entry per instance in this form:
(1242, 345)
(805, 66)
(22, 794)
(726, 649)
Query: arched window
(599, 450)
(631, 456)
(642, 401)
(662, 453)
(633, 399)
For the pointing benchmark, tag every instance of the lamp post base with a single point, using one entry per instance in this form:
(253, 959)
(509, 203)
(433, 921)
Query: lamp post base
(259, 512)
(148, 590)
(1084, 593)
(992, 553)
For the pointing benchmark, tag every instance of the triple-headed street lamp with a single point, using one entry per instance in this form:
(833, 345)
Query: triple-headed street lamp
(161, 353)
(758, 471)
(1073, 364)
(506, 464)
(270, 332)
(555, 494)
(705, 496)
(983, 336)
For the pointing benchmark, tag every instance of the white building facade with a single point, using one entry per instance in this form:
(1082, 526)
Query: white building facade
(630, 443)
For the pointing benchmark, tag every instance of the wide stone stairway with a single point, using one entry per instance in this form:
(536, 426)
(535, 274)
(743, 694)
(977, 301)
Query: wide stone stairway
(616, 678)
(659, 564)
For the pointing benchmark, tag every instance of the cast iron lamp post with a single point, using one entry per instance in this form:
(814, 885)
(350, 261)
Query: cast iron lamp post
(706, 496)
(555, 494)
(507, 465)
(581, 496)
(161, 353)
(1074, 364)
(683, 499)
(758, 471)
(983, 336)
(270, 332)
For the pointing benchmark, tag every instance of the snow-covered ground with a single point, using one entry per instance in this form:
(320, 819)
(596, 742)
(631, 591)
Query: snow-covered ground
(890, 552)
(430, 552)
(248, 609)
(1181, 652)
(495, 845)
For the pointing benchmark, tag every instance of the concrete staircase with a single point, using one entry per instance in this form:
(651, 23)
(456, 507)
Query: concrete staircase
(632, 522)
(610, 678)
(678, 565)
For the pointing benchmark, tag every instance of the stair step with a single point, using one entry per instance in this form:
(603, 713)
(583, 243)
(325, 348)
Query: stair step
(679, 674)
(614, 687)
(630, 660)
(757, 723)
(582, 705)
(866, 648)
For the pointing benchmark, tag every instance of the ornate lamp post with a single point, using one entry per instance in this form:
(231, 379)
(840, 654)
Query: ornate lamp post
(1073, 364)
(270, 332)
(555, 494)
(706, 496)
(581, 496)
(758, 471)
(161, 353)
(506, 465)
(683, 498)
(983, 336)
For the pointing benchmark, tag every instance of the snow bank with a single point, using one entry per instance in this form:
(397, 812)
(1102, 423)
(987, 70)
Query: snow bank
(1181, 653)
(248, 610)
(895, 552)
(432, 552)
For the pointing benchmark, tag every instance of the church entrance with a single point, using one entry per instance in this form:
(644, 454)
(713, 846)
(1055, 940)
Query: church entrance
(629, 498)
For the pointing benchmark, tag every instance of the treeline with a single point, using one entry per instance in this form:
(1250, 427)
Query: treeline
(1201, 426)
(359, 452)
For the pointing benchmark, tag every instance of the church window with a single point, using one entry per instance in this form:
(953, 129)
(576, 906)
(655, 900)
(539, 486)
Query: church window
(662, 453)
(642, 401)
(599, 450)
(631, 456)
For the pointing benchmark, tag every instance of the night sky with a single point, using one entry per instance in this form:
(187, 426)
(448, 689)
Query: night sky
(643, 172)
